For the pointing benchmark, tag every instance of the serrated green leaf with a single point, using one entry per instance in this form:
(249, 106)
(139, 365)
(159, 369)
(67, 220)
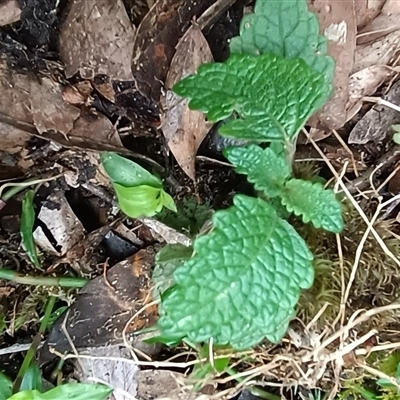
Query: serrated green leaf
(264, 168)
(173, 253)
(76, 391)
(5, 387)
(272, 96)
(167, 260)
(141, 201)
(26, 228)
(243, 282)
(126, 172)
(287, 29)
(314, 204)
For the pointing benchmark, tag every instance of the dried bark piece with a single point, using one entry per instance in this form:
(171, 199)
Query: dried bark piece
(338, 23)
(96, 38)
(183, 128)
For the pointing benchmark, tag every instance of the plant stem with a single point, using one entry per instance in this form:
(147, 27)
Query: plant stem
(34, 346)
(63, 281)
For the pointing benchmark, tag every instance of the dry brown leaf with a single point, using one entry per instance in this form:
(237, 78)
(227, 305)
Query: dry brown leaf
(105, 306)
(156, 38)
(386, 22)
(9, 12)
(29, 100)
(379, 52)
(183, 128)
(338, 23)
(367, 11)
(61, 222)
(376, 124)
(32, 105)
(96, 38)
(366, 82)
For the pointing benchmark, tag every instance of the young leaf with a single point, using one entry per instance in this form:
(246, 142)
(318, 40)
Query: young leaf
(139, 193)
(264, 168)
(26, 229)
(5, 387)
(76, 391)
(32, 379)
(314, 203)
(243, 282)
(272, 96)
(126, 172)
(287, 29)
(142, 200)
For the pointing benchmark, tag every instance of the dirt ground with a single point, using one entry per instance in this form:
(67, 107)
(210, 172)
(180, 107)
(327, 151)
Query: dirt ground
(81, 77)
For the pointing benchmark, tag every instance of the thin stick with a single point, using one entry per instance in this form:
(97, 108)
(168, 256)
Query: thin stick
(355, 204)
(344, 145)
(379, 100)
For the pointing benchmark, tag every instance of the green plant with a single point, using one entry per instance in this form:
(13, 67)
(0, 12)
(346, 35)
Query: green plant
(139, 193)
(244, 279)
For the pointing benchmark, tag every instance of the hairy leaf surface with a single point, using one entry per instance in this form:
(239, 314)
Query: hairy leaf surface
(287, 29)
(273, 96)
(243, 282)
(267, 170)
(314, 203)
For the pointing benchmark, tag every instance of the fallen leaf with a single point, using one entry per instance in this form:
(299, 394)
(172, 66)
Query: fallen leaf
(10, 12)
(105, 306)
(96, 38)
(386, 22)
(367, 11)
(184, 128)
(108, 365)
(379, 52)
(365, 83)
(377, 122)
(35, 101)
(338, 23)
(65, 228)
(155, 41)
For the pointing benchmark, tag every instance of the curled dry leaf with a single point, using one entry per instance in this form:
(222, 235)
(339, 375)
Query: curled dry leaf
(183, 128)
(338, 23)
(96, 38)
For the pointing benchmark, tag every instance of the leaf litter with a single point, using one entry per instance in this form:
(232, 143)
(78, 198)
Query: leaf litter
(114, 78)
